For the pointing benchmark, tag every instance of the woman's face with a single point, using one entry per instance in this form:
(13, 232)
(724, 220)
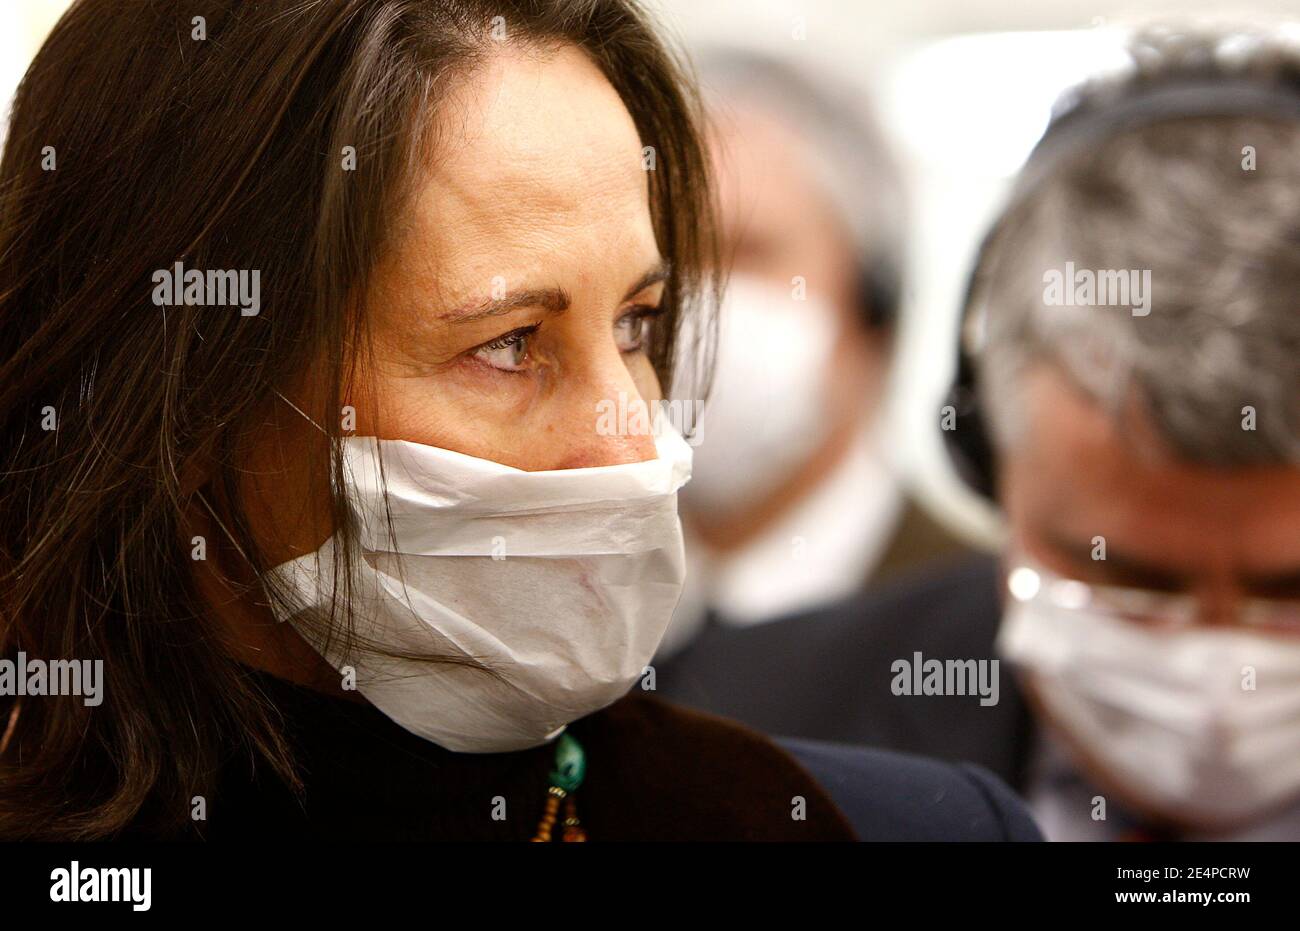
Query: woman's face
(518, 293)
(521, 287)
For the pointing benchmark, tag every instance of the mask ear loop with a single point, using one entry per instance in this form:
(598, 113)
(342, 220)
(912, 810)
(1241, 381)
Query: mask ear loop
(304, 416)
(11, 725)
(213, 514)
(300, 411)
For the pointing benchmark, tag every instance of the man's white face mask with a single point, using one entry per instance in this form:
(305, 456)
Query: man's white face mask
(764, 415)
(1201, 724)
(548, 592)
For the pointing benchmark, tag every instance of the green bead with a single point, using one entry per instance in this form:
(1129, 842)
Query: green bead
(570, 763)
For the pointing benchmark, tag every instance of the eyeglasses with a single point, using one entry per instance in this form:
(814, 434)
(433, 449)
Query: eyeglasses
(1028, 580)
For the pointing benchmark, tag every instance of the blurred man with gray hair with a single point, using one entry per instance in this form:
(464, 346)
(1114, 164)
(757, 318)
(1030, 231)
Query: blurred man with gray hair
(1148, 449)
(1129, 394)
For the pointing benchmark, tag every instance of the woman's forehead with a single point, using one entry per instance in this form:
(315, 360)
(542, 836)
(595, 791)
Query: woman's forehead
(536, 166)
(537, 132)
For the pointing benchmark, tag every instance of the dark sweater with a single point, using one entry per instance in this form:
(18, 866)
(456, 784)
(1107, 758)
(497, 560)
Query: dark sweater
(654, 772)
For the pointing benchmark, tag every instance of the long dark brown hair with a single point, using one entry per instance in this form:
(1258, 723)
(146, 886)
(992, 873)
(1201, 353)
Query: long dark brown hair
(223, 153)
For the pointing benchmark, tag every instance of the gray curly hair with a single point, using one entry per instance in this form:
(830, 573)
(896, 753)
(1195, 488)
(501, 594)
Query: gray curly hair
(1220, 236)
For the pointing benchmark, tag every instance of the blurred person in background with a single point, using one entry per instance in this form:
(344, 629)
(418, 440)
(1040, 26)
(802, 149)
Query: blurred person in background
(795, 501)
(1147, 459)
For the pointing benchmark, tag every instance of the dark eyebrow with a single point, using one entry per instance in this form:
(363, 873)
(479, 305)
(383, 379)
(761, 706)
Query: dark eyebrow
(656, 274)
(551, 300)
(1284, 585)
(1127, 570)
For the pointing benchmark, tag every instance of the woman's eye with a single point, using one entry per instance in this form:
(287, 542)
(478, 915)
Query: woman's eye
(508, 353)
(632, 330)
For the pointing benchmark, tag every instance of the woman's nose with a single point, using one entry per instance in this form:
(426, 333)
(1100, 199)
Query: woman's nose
(606, 420)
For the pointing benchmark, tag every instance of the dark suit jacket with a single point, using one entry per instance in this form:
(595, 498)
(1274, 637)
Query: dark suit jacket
(826, 675)
(896, 796)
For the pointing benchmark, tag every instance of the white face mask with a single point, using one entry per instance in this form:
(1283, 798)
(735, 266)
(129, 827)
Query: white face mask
(764, 416)
(1164, 713)
(551, 589)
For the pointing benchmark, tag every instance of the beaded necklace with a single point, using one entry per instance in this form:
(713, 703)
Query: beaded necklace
(570, 768)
